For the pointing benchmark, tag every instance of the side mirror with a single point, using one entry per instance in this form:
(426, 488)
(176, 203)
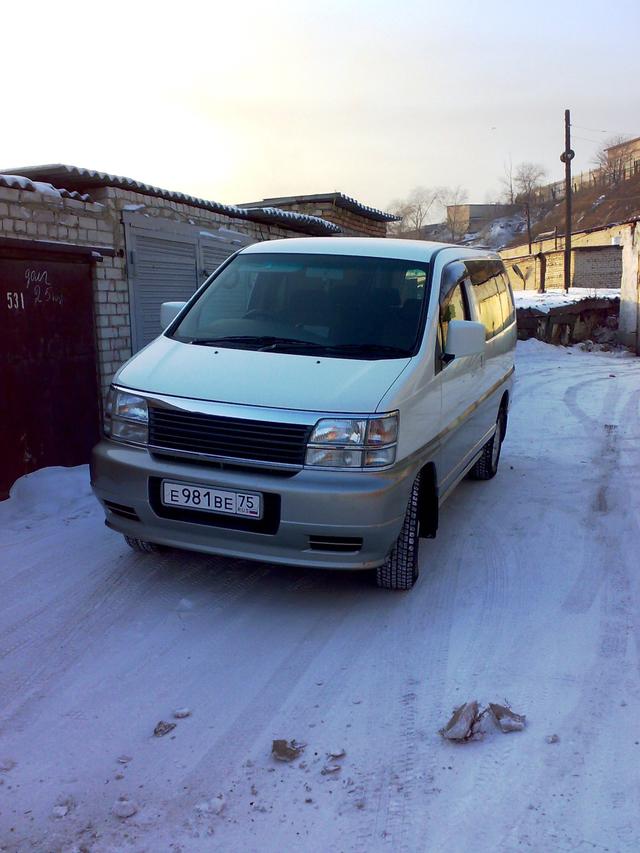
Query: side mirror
(464, 337)
(169, 311)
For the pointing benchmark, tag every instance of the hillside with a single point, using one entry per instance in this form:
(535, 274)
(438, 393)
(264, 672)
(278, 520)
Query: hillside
(494, 235)
(592, 208)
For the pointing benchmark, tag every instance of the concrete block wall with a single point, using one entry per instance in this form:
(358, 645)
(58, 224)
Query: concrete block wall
(50, 218)
(601, 267)
(118, 200)
(618, 260)
(47, 217)
(595, 268)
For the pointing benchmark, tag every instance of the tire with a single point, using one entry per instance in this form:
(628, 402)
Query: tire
(141, 545)
(400, 569)
(487, 466)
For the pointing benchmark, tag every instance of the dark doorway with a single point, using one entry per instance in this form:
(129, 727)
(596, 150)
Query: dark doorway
(49, 405)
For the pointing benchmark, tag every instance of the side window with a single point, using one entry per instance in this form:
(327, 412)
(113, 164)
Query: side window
(484, 279)
(453, 299)
(506, 300)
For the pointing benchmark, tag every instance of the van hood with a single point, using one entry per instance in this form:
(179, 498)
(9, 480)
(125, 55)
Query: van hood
(247, 377)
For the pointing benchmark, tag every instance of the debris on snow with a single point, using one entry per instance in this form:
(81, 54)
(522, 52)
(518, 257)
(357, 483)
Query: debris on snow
(181, 713)
(163, 728)
(506, 719)
(285, 750)
(60, 811)
(337, 753)
(124, 759)
(124, 808)
(213, 806)
(6, 764)
(463, 723)
(330, 768)
(552, 739)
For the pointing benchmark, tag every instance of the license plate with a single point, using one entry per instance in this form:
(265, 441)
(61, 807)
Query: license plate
(206, 499)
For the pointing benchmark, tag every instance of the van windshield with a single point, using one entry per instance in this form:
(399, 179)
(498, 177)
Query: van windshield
(332, 305)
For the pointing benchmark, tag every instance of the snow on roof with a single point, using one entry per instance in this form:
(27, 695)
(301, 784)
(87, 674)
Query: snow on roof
(545, 302)
(19, 182)
(80, 178)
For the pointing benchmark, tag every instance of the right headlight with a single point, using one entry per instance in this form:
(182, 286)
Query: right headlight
(126, 417)
(365, 442)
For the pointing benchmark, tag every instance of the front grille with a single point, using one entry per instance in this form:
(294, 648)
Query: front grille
(235, 438)
(342, 544)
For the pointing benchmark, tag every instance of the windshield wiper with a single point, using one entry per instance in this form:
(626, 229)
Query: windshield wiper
(367, 350)
(258, 342)
(336, 350)
(271, 343)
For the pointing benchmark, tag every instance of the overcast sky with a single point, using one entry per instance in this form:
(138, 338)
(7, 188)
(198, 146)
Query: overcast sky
(237, 101)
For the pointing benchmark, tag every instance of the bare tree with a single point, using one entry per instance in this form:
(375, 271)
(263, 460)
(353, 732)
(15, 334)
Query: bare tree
(453, 199)
(399, 208)
(611, 163)
(413, 211)
(421, 200)
(528, 180)
(508, 184)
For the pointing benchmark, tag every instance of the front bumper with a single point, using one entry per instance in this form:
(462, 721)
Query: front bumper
(347, 505)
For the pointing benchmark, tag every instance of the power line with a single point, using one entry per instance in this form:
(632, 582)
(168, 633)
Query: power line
(586, 139)
(600, 130)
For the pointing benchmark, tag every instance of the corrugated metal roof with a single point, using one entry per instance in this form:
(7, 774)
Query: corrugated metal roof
(337, 198)
(20, 182)
(79, 178)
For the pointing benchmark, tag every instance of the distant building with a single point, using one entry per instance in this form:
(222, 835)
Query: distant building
(626, 152)
(354, 218)
(469, 218)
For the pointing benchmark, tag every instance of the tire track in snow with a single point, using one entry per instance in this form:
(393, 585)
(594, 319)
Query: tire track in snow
(590, 715)
(83, 618)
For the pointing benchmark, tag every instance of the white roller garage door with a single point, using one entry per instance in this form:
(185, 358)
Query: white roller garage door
(167, 262)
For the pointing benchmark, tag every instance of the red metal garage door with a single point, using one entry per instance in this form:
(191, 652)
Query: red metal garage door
(48, 381)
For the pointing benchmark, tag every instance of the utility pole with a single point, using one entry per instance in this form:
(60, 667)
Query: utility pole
(566, 157)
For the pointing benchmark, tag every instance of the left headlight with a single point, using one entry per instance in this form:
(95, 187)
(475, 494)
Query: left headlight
(126, 417)
(367, 442)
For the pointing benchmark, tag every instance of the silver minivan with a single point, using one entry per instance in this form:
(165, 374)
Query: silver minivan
(314, 403)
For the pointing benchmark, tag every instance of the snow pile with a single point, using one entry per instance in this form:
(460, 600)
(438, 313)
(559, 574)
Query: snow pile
(544, 302)
(47, 493)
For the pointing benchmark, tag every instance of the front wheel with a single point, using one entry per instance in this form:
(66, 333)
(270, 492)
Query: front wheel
(487, 466)
(142, 545)
(400, 569)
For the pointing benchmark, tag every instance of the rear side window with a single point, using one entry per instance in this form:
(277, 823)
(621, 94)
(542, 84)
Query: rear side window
(506, 300)
(493, 298)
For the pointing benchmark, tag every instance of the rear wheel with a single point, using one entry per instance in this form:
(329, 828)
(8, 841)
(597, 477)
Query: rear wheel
(487, 466)
(400, 569)
(142, 545)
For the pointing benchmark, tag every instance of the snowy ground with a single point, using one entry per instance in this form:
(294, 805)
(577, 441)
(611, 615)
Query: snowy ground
(556, 298)
(530, 593)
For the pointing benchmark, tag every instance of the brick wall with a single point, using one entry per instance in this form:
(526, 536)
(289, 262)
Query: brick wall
(41, 216)
(352, 224)
(47, 217)
(118, 200)
(599, 266)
